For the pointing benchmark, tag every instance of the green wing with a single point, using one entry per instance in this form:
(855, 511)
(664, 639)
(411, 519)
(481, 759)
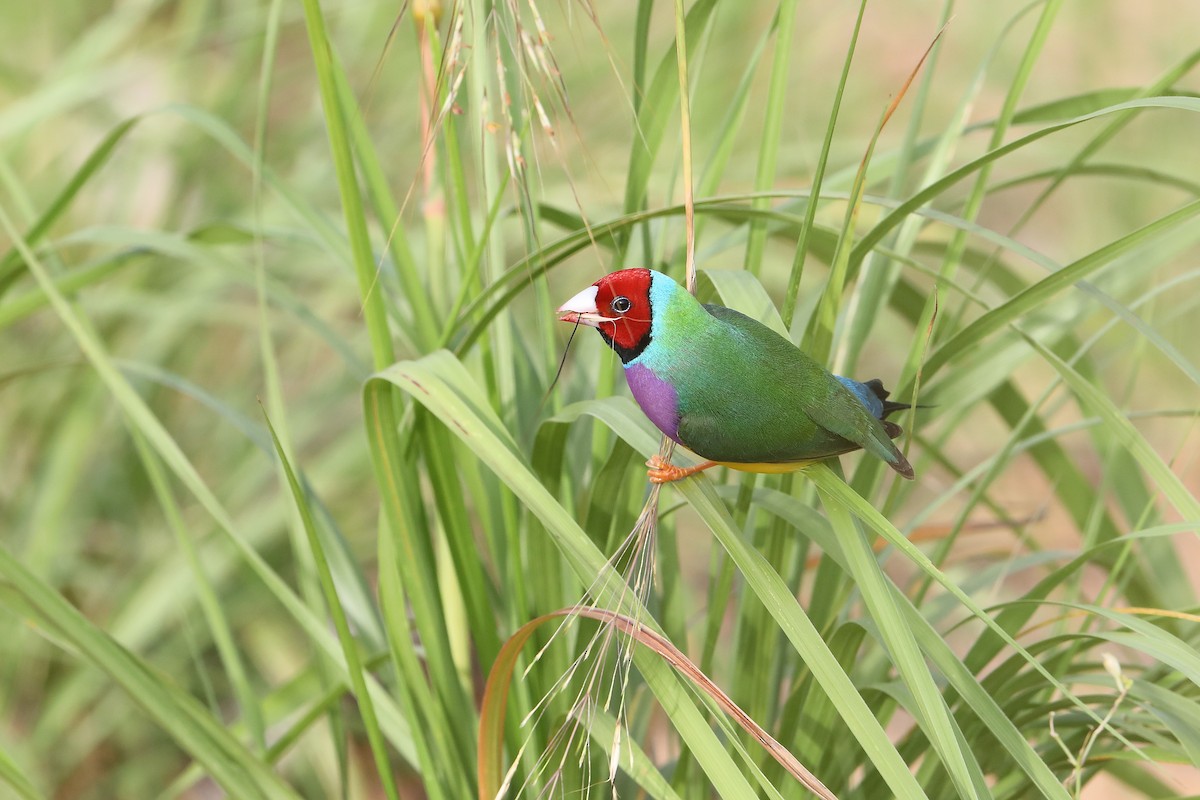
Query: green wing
(749, 396)
(841, 413)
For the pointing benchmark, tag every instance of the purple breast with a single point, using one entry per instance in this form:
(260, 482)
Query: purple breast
(656, 397)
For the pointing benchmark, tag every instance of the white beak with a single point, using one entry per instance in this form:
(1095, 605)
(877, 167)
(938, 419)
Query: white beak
(582, 309)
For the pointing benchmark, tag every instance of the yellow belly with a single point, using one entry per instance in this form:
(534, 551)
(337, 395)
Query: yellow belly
(771, 468)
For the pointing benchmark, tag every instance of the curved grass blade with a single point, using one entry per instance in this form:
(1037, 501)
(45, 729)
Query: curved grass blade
(803, 517)
(833, 487)
(929, 707)
(495, 697)
(1037, 294)
(1119, 425)
(925, 195)
(11, 264)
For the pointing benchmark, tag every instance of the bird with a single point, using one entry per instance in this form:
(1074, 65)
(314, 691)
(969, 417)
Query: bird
(727, 387)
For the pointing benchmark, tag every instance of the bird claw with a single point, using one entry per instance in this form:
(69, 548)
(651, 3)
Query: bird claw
(662, 471)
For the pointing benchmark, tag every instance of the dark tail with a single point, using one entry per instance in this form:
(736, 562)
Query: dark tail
(889, 406)
(893, 430)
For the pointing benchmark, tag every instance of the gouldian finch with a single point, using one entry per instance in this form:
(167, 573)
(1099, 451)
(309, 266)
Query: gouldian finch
(727, 387)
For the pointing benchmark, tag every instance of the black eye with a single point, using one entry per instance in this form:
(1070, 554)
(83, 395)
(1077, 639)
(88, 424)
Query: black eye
(620, 304)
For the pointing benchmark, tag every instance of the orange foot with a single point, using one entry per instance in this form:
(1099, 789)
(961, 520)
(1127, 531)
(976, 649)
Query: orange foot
(665, 472)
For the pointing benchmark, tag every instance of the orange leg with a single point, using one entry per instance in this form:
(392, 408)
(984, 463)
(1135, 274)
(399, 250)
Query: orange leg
(665, 472)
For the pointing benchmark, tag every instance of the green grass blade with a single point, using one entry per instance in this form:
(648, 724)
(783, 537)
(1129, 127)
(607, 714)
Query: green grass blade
(930, 709)
(443, 386)
(1037, 294)
(11, 774)
(214, 615)
(354, 664)
(768, 147)
(237, 770)
(143, 419)
(791, 298)
(919, 199)
(355, 215)
(10, 265)
(1118, 424)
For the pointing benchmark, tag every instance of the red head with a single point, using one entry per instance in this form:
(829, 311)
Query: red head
(618, 306)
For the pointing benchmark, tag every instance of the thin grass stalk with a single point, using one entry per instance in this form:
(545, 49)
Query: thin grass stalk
(878, 274)
(977, 194)
(214, 615)
(307, 578)
(768, 148)
(423, 328)
(374, 313)
(810, 211)
(822, 327)
(354, 664)
(417, 565)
